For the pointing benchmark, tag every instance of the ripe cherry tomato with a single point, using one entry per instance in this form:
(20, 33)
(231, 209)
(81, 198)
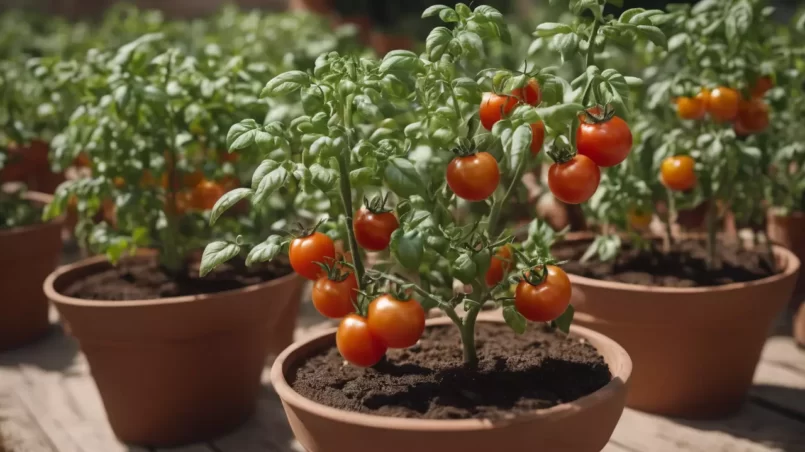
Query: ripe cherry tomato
(494, 107)
(574, 181)
(398, 324)
(762, 84)
(639, 219)
(206, 194)
(546, 301)
(723, 104)
(605, 143)
(334, 299)
(373, 230)
(537, 137)
(530, 93)
(753, 117)
(677, 173)
(474, 177)
(691, 107)
(357, 344)
(704, 97)
(499, 266)
(306, 251)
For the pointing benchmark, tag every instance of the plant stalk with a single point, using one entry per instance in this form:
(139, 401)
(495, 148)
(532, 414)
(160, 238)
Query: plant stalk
(712, 213)
(669, 221)
(591, 45)
(468, 337)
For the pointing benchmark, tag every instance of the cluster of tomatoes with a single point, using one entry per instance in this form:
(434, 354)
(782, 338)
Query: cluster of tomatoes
(723, 104)
(602, 140)
(390, 321)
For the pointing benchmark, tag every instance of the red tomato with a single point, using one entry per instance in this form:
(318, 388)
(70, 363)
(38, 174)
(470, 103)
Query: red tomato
(753, 116)
(762, 84)
(548, 300)
(530, 93)
(723, 104)
(494, 107)
(574, 181)
(500, 265)
(306, 251)
(691, 107)
(206, 194)
(474, 177)
(537, 137)
(398, 324)
(334, 299)
(677, 173)
(356, 343)
(373, 230)
(605, 143)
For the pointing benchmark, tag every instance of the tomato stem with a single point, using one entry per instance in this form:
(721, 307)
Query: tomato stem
(346, 195)
(669, 220)
(468, 337)
(591, 44)
(712, 213)
(497, 205)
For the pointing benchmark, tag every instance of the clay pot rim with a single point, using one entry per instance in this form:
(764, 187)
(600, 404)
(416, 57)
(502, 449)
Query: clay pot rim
(620, 365)
(57, 297)
(792, 264)
(37, 198)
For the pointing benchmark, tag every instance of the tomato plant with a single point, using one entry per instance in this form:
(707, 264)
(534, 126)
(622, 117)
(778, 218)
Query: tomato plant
(308, 252)
(410, 134)
(334, 294)
(574, 181)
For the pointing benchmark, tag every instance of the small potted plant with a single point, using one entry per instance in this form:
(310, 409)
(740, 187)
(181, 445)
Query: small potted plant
(411, 176)
(692, 311)
(176, 358)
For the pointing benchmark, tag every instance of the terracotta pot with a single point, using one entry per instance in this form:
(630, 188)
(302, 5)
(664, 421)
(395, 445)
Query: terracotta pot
(789, 231)
(28, 255)
(694, 349)
(175, 370)
(583, 425)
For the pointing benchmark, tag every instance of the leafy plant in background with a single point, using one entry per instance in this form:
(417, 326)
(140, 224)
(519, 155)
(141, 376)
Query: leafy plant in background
(706, 96)
(402, 134)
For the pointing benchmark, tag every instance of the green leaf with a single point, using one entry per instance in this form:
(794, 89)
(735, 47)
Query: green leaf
(653, 34)
(703, 6)
(514, 319)
(265, 167)
(739, 20)
(229, 199)
(361, 177)
(434, 10)
(407, 247)
(489, 12)
(471, 42)
(559, 114)
(520, 145)
(399, 60)
(285, 83)
(644, 17)
(678, 40)
(578, 6)
(565, 320)
(323, 178)
(269, 184)
(448, 15)
(550, 29)
(265, 251)
(463, 10)
(464, 269)
(567, 45)
(437, 42)
(215, 254)
(403, 179)
(627, 15)
(242, 134)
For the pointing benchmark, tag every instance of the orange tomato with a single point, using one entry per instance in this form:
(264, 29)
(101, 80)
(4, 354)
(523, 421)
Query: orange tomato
(546, 301)
(500, 265)
(761, 86)
(206, 194)
(677, 173)
(691, 107)
(723, 104)
(639, 219)
(397, 323)
(357, 344)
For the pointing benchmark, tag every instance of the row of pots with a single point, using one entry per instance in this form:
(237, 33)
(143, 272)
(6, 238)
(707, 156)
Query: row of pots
(176, 370)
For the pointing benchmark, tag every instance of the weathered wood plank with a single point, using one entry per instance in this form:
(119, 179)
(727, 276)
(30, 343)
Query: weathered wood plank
(19, 431)
(782, 351)
(754, 429)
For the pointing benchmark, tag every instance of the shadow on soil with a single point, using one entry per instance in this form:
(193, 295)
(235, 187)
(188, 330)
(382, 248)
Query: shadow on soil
(772, 415)
(53, 352)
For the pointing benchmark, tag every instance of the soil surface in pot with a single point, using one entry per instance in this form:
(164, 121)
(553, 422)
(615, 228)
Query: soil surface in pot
(684, 266)
(516, 374)
(144, 279)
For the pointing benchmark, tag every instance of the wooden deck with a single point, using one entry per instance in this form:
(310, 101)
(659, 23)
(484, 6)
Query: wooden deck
(49, 403)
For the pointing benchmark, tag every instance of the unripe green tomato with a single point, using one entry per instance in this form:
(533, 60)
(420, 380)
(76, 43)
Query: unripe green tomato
(464, 269)
(438, 243)
(482, 259)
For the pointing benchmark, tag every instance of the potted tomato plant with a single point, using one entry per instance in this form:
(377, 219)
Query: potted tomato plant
(692, 311)
(410, 175)
(158, 338)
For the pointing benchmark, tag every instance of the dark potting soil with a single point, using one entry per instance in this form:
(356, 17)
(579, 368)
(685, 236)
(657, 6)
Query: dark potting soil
(684, 266)
(144, 279)
(516, 374)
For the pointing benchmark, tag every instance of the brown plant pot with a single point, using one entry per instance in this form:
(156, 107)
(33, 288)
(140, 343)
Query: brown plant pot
(583, 425)
(789, 231)
(694, 349)
(175, 370)
(28, 255)
(799, 326)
